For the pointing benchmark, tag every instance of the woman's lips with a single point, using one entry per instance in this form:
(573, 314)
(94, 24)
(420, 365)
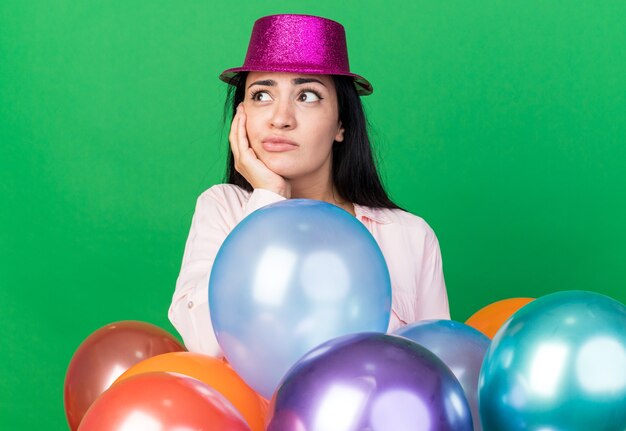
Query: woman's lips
(277, 145)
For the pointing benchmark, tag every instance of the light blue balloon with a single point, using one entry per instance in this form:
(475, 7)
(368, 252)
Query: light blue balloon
(559, 363)
(461, 347)
(290, 276)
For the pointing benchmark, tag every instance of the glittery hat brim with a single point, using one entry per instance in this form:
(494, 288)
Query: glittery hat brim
(363, 87)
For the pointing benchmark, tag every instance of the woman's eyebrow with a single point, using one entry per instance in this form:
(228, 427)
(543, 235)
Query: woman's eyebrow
(266, 82)
(298, 81)
(295, 81)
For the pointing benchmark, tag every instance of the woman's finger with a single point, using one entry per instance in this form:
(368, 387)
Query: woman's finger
(232, 136)
(242, 139)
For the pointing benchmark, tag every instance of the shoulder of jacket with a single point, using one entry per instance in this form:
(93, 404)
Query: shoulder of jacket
(224, 192)
(409, 221)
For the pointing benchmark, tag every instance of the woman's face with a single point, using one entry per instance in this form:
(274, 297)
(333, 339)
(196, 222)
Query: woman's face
(292, 121)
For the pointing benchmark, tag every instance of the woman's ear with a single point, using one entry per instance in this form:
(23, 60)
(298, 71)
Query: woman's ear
(339, 135)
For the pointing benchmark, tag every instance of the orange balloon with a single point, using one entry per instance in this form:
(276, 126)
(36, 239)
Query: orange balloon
(265, 408)
(490, 319)
(213, 372)
(161, 401)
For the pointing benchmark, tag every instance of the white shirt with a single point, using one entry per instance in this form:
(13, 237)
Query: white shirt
(408, 244)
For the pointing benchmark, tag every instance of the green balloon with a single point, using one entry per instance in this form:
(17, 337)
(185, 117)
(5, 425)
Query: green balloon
(558, 364)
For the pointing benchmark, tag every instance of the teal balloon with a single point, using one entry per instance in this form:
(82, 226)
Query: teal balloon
(290, 276)
(558, 364)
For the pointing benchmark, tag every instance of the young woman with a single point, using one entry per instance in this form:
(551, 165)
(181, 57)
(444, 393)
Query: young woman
(299, 131)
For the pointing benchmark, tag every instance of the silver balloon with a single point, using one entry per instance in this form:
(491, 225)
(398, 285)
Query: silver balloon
(461, 347)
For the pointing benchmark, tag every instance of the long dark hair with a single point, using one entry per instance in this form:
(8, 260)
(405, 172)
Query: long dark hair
(354, 171)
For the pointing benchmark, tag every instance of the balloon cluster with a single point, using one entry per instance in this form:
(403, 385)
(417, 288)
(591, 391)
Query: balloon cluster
(132, 375)
(300, 299)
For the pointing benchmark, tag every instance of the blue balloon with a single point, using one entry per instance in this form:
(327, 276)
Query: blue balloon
(559, 363)
(289, 277)
(461, 347)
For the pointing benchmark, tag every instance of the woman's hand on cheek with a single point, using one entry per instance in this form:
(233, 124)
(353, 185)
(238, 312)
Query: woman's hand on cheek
(248, 164)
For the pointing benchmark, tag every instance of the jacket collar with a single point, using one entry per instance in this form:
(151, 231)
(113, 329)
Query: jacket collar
(375, 214)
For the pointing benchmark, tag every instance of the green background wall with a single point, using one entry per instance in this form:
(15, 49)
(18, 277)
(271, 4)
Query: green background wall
(503, 124)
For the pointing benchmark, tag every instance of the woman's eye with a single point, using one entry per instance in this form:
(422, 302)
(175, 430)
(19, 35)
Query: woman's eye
(309, 96)
(261, 96)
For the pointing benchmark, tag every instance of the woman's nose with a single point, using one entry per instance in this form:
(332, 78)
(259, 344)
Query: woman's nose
(283, 115)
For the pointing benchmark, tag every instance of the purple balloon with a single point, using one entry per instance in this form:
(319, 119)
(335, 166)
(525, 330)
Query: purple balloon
(370, 381)
(461, 347)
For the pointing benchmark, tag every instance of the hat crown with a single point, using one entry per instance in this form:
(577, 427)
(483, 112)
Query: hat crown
(289, 41)
(303, 44)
